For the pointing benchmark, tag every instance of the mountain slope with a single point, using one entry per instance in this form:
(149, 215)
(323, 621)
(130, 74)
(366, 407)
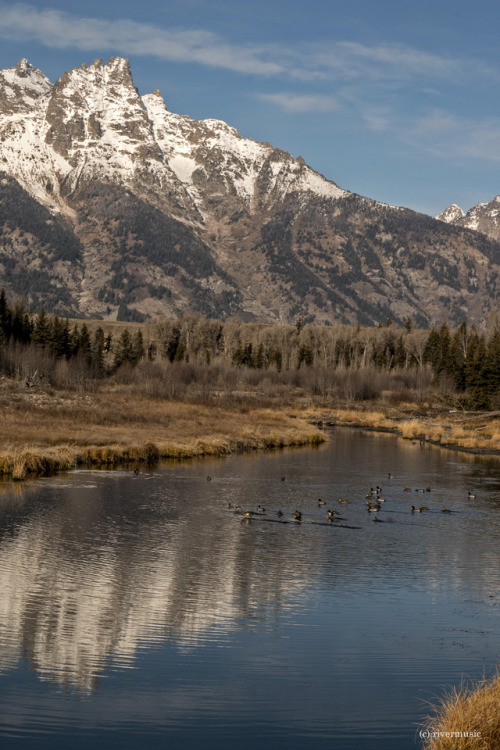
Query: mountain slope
(152, 213)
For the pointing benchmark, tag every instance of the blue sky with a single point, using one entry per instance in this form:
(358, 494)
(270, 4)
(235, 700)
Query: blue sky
(391, 99)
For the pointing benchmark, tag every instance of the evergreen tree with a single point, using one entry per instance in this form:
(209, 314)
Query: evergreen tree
(74, 341)
(5, 319)
(59, 338)
(98, 353)
(42, 330)
(124, 351)
(138, 350)
(475, 370)
(432, 351)
(456, 361)
(492, 367)
(84, 344)
(108, 343)
(444, 364)
(21, 325)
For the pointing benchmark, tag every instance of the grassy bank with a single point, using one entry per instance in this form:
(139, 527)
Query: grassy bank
(141, 416)
(477, 432)
(46, 431)
(467, 719)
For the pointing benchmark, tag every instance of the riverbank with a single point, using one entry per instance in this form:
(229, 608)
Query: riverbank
(45, 431)
(471, 432)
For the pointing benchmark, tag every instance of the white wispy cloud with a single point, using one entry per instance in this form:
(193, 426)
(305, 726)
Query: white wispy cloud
(54, 28)
(448, 135)
(326, 75)
(340, 61)
(299, 103)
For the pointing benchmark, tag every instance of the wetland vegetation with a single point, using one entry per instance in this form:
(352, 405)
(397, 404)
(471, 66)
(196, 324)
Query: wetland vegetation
(89, 392)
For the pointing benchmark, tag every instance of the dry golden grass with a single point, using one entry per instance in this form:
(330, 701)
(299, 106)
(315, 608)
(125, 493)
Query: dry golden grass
(473, 710)
(471, 432)
(45, 431)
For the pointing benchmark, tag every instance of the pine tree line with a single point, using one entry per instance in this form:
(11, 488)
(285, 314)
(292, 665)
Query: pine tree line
(464, 360)
(61, 341)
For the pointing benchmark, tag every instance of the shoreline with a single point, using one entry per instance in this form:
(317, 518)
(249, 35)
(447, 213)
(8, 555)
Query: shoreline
(48, 431)
(475, 434)
(35, 462)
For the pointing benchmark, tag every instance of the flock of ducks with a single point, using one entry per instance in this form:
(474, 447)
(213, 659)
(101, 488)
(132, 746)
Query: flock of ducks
(373, 501)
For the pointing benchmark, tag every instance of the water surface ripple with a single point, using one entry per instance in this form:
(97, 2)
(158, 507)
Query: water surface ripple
(142, 611)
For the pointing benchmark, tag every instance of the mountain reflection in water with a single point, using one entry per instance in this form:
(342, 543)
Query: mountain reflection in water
(106, 572)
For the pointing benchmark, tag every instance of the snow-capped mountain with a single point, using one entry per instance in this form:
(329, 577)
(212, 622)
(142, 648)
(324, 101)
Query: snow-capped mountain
(485, 217)
(110, 205)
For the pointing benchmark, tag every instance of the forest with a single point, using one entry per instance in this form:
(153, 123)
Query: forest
(195, 357)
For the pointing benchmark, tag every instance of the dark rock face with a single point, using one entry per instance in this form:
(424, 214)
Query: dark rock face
(120, 202)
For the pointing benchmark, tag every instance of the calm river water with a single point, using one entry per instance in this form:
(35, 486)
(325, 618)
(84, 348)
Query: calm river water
(141, 612)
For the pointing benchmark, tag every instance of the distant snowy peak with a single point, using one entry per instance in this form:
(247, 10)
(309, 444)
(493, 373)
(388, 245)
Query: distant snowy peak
(485, 217)
(451, 214)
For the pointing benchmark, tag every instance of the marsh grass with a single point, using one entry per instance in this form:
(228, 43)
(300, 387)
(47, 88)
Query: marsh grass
(50, 431)
(469, 709)
(471, 432)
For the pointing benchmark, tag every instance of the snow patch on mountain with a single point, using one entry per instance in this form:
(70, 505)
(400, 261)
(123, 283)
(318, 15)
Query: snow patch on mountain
(451, 214)
(93, 124)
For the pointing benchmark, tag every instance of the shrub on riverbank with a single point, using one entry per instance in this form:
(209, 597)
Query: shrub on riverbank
(470, 711)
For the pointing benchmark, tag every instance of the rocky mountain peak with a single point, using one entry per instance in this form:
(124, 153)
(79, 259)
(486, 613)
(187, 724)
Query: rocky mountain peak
(451, 214)
(484, 218)
(24, 68)
(21, 86)
(111, 202)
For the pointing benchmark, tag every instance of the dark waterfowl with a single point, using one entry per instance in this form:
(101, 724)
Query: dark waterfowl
(445, 510)
(209, 478)
(424, 507)
(297, 516)
(321, 502)
(471, 496)
(279, 513)
(342, 501)
(374, 508)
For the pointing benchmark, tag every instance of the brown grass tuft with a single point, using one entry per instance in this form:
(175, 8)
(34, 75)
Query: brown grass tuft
(470, 709)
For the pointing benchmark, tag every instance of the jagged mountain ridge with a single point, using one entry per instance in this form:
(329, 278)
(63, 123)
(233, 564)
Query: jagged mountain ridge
(485, 217)
(152, 213)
